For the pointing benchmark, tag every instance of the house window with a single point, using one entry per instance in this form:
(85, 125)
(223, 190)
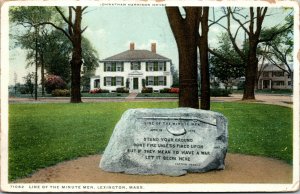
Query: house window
(135, 66)
(150, 80)
(278, 83)
(119, 81)
(107, 67)
(119, 66)
(113, 81)
(108, 81)
(162, 80)
(265, 74)
(149, 66)
(156, 66)
(289, 83)
(278, 74)
(112, 67)
(156, 80)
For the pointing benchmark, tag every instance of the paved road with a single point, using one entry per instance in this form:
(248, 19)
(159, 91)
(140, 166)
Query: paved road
(283, 100)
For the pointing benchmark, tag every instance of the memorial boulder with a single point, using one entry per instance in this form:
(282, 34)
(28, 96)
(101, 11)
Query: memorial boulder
(167, 141)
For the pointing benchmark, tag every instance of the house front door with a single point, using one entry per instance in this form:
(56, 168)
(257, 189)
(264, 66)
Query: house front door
(135, 83)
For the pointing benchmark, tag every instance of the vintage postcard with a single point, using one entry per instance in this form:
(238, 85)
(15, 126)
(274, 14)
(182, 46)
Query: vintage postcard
(149, 96)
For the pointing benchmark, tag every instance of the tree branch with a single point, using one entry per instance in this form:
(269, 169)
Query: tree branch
(84, 8)
(63, 16)
(70, 21)
(274, 34)
(83, 29)
(237, 20)
(216, 22)
(236, 48)
(58, 28)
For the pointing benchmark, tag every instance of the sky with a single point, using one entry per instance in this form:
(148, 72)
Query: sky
(111, 29)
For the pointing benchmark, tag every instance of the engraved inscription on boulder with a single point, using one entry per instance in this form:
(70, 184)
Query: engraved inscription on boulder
(167, 141)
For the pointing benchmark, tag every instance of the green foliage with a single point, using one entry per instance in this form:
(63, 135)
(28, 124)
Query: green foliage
(29, 16)
(218, 92)
(42, 135)
(226, 70)
(279, 50)
(28, 87)
(175, 75)
(54, 48)
(61, 93)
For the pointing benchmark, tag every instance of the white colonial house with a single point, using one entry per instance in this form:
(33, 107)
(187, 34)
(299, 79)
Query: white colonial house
(133, 69)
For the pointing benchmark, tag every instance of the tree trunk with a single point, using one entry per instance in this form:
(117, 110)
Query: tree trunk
(251, 72)
(76, 60)
(188, 86)
(203, 49)
(42, 74)
(36, 65)
(186, 32)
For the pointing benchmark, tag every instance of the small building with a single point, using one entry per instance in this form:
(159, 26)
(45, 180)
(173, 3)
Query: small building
(272, 77)
(133, 69)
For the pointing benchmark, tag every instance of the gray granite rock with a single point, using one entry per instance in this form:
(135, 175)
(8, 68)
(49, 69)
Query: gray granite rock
(167, 141)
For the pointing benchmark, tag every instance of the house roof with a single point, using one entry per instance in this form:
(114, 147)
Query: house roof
(270, 67)
(136, 55)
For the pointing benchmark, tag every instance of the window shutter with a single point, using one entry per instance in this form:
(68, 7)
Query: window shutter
(156, 81)
(147, 80)
(113, 67)
(165, 80)
(122, 84)
(131, 66)
(165, 66)
(139, 65)
(122, 66)
(104, 81)
(147, 66)
(104, 66)
(113, 81)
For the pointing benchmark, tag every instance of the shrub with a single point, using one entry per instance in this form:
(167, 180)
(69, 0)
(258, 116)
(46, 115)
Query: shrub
(165, 90)
(122, 90)
(219, 92)
(98, 90)
(147, 90)
(61, 92)
(104, 91)
(95, 91)
(54, 82)
(174, 90)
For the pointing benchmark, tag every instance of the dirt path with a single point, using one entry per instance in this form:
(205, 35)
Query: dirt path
(239, 169)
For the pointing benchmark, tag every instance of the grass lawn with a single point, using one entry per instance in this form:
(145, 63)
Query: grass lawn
(42, 135)
(153, 95)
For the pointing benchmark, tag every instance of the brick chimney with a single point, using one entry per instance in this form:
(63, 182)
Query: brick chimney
(153, 47)
(131, 47)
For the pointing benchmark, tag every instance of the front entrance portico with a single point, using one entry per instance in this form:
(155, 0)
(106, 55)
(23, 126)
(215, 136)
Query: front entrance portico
(135, 81)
